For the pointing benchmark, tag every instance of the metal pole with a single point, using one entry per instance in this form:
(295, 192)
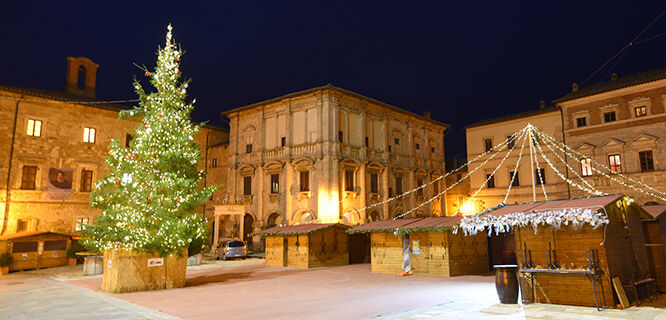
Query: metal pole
(532, 162)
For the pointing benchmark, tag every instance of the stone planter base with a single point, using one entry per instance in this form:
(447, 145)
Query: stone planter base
(71, 261)
(4, 270)
(126, 271)
(194, 260)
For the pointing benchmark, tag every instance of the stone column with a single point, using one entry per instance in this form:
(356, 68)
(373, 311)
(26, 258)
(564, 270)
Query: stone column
(385, 186)
(216, 232)
(364, 193)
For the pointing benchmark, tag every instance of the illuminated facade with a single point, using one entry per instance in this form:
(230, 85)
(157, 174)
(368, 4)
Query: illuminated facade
(53, 148)
(323, 155)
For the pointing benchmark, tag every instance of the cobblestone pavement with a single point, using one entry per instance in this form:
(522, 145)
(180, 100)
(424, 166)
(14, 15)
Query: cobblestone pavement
(250, 290)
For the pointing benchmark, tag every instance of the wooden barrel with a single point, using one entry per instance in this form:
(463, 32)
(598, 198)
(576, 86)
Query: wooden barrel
(506, 283)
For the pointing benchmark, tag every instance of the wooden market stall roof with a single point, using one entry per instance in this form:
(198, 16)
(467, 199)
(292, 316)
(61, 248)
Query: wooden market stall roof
(431, 224)
(297, 229)
(577, 210)
(28, 234)
(655, 210)
(535, 207)
(382, 225)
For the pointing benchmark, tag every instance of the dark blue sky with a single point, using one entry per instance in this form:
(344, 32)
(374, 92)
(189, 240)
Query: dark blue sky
(463, 61)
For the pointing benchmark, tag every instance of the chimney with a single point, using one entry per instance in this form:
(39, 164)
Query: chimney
(542, 104)
(574, 87)
(613, 76)
(427, 114)
(81, 76)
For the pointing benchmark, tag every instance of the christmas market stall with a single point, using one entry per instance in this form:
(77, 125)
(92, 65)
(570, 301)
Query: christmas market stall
(585, 251)
(306, 245)
(386, 247)
(437, 250)
(654, 230)
(35, 250)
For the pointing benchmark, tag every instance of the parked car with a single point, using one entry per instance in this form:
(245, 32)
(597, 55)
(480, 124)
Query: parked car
(230, 249)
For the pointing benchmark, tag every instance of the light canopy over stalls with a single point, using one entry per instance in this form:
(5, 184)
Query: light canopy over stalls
(306, 245)
(569, 250)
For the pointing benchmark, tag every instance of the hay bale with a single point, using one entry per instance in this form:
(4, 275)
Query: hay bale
(126, 271)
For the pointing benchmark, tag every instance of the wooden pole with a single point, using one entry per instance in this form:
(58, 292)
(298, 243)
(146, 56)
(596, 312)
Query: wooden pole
(532, 162)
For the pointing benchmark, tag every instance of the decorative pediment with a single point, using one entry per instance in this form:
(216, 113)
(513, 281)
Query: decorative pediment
(304, 163)
(249, 128)
(420, 172)
(246, 170)
(399, 170)
(585, 147)
(351, 162)
(613, 144)
(273, 166)
(645, 138)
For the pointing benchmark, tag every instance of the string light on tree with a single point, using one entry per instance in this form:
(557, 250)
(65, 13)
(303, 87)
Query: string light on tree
(153, 187)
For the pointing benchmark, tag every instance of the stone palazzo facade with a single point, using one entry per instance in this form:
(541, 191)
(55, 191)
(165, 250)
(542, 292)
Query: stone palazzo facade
(619, 124)
(60, 139)
(324, 154)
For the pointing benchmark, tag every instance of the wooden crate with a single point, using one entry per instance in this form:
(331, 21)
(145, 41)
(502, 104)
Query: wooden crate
(126, 271)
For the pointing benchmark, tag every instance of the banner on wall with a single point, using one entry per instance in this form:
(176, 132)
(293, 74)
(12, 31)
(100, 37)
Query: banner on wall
(59, 184)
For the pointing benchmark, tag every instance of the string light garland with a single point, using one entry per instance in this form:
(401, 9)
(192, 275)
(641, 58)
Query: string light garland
(590, 190)
(490, 176)
(574, 154)
(555, 218)
(149, 197)
(494, 150)
(534, 140)
(515, 171)
(521, 132)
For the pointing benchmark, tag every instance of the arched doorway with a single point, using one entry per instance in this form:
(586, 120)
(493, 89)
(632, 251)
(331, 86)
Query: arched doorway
(275, 219)
(305, 217)
(248, 220)
(373, 216)
(351, 218)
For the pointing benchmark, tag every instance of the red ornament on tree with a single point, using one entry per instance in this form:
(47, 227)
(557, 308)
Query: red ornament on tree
(177, 70)
(159, 115)
(176, 200)
(117, 183)
(148, 199)
(145, 123)
(177, 58)
(147, 74)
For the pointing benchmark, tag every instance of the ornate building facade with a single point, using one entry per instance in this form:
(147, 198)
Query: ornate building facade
(616, 126)
(53, 149)
(325, 154)
(619, 124)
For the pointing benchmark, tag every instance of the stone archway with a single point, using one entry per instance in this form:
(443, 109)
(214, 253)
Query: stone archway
(373, 216)
(248, 220)
(351, 217)
(304, 216)
(275, 219)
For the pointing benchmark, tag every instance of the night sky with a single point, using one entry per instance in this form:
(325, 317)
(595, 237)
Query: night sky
(463, 61)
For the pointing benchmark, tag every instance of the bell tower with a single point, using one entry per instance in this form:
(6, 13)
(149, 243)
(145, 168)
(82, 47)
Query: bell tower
(81, 76)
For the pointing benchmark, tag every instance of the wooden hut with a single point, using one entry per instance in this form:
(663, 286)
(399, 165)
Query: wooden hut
(35, 250)
(437, 250)
(306, 245)
(654, 230)
(385, 245)
(570, 251)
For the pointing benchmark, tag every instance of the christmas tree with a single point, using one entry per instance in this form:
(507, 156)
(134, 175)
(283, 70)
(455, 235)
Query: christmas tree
(149, 197)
